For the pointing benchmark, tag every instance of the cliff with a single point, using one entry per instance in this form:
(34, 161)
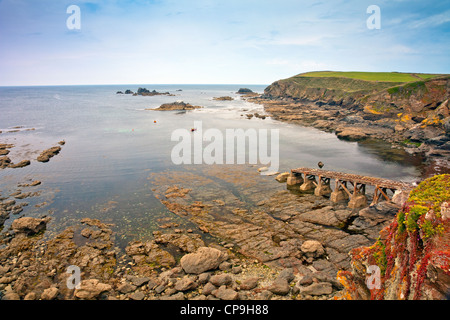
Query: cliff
(411, 110)
(411, 258)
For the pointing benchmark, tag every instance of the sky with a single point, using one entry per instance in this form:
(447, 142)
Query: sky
(216, 42)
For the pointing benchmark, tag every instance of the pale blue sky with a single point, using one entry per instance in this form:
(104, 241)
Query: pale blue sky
(204, 41)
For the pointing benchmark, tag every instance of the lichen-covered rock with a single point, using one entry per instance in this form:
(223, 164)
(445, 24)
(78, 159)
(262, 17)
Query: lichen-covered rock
(411, 259)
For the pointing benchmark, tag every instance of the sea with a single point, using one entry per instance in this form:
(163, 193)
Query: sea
(113, 143)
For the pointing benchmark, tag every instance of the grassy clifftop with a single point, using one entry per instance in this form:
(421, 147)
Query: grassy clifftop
(335, 86)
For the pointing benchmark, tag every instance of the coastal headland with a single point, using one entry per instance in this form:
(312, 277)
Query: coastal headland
(233, 233)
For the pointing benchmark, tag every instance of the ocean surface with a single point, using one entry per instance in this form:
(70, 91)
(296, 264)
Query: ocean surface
(113, 144)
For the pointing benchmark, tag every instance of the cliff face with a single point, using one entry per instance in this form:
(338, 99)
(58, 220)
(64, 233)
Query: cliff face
(411, 259)
(414, 114)
(418, 98)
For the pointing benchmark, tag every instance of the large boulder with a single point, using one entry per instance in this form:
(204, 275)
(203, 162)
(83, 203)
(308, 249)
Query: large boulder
(29, 225)
(202, 260)
(90, 289)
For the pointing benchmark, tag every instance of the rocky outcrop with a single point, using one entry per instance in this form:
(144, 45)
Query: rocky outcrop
(29, 226)
(410, 259)
(225, 98)
(49, 153)
(179, 105)
(413, 115)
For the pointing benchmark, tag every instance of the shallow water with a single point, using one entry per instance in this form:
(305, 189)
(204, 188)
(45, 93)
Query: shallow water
(113, 145)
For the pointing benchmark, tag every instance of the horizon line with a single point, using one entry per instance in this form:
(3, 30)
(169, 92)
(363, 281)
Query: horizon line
(136, 84)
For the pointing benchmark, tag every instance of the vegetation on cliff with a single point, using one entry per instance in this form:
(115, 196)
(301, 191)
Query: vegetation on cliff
(412, 253)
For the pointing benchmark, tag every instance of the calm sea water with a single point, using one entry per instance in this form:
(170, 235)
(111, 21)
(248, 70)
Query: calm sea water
(113, 144)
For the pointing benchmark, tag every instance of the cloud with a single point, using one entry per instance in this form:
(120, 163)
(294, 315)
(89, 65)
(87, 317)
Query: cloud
(432, 21)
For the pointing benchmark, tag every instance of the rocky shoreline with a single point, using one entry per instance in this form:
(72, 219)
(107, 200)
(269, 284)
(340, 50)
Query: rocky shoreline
(287, 246)
(352, 123)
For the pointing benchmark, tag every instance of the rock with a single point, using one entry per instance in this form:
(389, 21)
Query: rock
(31, 296)
(225, 266)
(145, 253)
(176, 296)
(312, 248)
(138, 295)
(187, 243)
(263, 169)
(351, 134)
(264, 295)
(244, 90)
(221, 279)
(11, 296)
(90, 289)
(128, 91)
(4, 162)
(49, 153)
(287, 274)
(305, 280)
(226, 98)
(282, 177)
(126, 288)
(280, 286)
(236, 269)
(203, 278)
(138, 281)
(50, 293)
(202, 260)
(208, 288)
(317, 289)
(249, 284)
(225, 294)
(185, 284)
(400, 197)
(438, 141)
(21, 164)
(179, 105)
(446, 126)
(29, 225)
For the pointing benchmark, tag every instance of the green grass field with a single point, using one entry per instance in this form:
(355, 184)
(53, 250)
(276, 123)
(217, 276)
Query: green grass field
(371, 76)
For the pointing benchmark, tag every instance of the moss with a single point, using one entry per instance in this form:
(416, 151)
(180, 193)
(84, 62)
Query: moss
(409, 143)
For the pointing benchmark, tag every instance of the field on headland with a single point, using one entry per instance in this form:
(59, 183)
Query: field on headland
(371, 76)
